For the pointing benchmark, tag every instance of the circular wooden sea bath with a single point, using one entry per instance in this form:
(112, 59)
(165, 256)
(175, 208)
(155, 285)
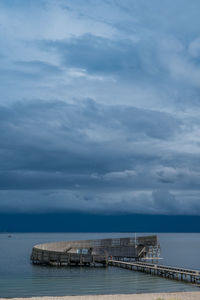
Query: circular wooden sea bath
(91, 252)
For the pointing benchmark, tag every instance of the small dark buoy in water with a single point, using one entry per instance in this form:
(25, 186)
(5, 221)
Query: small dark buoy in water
(9, 235)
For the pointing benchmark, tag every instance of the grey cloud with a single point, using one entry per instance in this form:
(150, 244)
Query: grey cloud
(38, 67)
(70, 200)
(36, 124)
(142, 15)
(105, 56)
(135, 147)
(139, 202)
(29, 70)
(55, 135)
(162, 63)
(165, 202)
(96, 155)
(90, 146)
(140, 56)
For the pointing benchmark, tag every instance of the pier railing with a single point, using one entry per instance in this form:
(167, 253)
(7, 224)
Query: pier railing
(176, 273)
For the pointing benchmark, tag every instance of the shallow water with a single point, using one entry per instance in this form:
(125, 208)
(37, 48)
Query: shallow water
(18, 277)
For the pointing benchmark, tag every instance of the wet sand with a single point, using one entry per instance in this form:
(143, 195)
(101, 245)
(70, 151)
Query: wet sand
(159, 296)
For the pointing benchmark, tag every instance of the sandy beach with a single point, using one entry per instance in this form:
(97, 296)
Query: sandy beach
(159, 296)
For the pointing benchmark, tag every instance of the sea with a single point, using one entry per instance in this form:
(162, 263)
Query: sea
(20, 278)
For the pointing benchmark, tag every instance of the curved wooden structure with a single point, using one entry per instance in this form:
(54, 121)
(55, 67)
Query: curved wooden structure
(92, 252)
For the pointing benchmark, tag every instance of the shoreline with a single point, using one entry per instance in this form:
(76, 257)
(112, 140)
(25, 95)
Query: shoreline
(151, 296)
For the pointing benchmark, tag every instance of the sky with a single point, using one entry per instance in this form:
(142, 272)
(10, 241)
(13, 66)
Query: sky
(99, 107)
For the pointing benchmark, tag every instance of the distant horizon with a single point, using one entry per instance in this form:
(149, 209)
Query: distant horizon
(54, 232)
(80, 222)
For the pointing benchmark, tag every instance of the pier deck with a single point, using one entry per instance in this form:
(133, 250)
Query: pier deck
(176, 273)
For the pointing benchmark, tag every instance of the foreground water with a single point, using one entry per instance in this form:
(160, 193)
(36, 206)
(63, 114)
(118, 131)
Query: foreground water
(19, 278)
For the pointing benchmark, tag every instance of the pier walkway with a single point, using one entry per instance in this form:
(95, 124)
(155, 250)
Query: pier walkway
(160, 270)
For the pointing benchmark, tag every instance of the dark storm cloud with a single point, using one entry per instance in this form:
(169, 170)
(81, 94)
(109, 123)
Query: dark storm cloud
(88, 156)
(56, 136)
(57, 145)
(135, 147)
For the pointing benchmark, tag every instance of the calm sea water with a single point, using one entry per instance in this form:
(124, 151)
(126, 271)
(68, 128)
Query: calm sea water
(18, 277)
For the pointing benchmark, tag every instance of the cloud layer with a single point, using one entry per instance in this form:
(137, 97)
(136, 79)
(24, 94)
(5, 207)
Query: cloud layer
(99, 106)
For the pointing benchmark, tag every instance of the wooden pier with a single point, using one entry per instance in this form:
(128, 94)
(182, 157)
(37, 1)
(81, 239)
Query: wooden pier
(129, 253)
(176, 273)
